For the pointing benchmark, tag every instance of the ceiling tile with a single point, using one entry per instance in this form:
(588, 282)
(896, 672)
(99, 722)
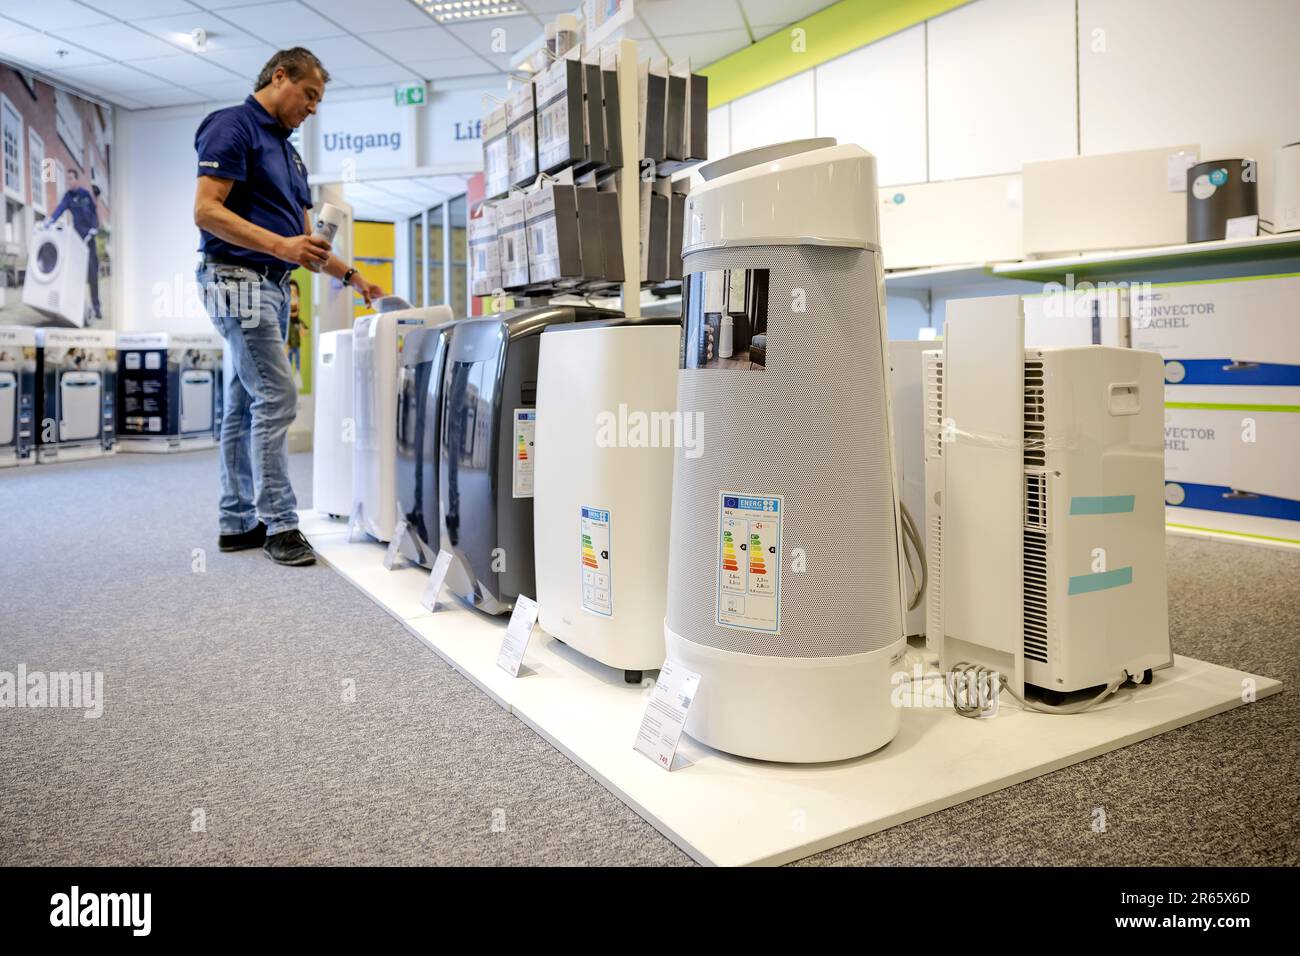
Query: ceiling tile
(451, 66)
(341, 53)
(681, 17)
(247, 61)
(547, 9)
(12, 28)
(183, 69)
(422, 44)
(779, 13)
(233, 90)
(227, 4)
(373, 15)
(285, 23)
(166, 96)
(375, 75)
(176, 30)
(482, 36)
(704, 48)
(136, 9)
(42, 51)
(112, 77)
(52, 14)
(121, 41)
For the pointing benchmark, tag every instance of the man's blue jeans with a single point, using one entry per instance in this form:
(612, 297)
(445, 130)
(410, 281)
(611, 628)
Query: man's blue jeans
(252, 315)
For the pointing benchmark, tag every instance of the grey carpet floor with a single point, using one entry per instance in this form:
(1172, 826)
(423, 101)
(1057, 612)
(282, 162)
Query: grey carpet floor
(226, 703)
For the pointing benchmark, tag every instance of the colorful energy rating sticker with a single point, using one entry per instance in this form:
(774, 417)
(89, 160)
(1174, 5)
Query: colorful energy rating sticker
(749, 561)
(597, 565)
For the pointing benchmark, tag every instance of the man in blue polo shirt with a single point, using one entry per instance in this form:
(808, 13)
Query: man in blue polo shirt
(251, 207)
(85, 219)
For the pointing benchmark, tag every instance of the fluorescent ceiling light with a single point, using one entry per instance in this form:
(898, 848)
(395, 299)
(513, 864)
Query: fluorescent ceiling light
(465, 11)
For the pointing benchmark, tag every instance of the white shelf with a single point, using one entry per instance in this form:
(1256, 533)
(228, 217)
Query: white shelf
(729, 811)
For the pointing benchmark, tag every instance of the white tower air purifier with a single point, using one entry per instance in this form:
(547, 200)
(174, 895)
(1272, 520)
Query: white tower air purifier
(784, 571)
(79, 405)
(196, 400)
(374, 356)
(1044, 473)
(606, 393)
(335, 426)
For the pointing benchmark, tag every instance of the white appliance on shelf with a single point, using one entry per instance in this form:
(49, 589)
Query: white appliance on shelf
(8, 407)
(80, 396)
(334, 434)
(1064, 317)
(952, 223)
(1111, 201)
(374, 462)
(793, 666)
(196, 400)
(1045, 471)
(55, 281)
(1285, 216)
(600, 537)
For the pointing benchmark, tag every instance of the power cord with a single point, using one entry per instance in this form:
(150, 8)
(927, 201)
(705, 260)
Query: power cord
(963, 687)
(913, 537)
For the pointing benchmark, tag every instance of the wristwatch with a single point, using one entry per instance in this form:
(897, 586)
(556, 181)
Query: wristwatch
(347, 276)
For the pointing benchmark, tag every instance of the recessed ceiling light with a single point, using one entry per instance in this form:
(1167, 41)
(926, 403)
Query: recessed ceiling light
(450, 11)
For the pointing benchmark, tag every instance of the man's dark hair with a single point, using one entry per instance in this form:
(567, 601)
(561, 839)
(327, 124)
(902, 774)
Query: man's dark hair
(73, 172)
(296, 62)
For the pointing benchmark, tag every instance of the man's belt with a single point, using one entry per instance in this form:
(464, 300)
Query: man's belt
(273, 273)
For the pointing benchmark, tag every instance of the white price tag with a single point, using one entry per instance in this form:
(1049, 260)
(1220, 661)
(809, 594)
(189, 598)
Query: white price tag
(1242, 227)
(518, 631)
(439, 574)
(394, 552)
(1176, 168)
(665, 714)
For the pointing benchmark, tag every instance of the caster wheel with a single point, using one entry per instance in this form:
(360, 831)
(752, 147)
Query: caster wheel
(1053, 698)
(631, 677)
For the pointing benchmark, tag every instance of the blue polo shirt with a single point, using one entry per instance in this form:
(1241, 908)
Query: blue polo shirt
(247, 144)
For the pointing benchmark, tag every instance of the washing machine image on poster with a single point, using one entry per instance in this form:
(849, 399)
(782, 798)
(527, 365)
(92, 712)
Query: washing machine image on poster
(56, 270)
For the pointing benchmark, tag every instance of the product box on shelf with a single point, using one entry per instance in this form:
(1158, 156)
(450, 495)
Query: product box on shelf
(1065, 317)
(76, 387)
(17, 395)
(559, 116)
(521, 139)
(611, 232)
(1222, 332)
(169, 390)
(609, 89)
(512, 243)
(496, 154)
(653, 90)
(589, 234)
(593, 98)
(554, 252)
(484, 251)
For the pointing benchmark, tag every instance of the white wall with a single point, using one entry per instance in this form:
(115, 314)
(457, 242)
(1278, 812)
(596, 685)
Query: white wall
(991, 85)
(157, 241)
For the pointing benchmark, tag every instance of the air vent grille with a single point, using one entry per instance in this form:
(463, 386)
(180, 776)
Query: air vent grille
(934, 589)
(933, 372)
(1035, 416)
(1035, 585)
(1036, 500)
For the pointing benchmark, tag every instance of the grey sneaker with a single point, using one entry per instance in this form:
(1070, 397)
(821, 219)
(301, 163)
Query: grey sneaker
(289, 547)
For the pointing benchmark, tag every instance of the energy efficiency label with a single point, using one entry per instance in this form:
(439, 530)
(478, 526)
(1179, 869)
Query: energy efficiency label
(749, 562)
(525, 451)
(597, 569)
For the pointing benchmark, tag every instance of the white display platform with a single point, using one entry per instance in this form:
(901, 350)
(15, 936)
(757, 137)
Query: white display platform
(730, 811)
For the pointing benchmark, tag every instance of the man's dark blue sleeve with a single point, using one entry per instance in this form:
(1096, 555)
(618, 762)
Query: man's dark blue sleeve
(222, 143)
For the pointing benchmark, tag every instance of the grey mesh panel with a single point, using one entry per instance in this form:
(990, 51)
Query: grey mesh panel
(811, 427)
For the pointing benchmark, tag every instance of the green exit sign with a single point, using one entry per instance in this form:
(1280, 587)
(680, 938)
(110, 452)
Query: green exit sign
(410, 95)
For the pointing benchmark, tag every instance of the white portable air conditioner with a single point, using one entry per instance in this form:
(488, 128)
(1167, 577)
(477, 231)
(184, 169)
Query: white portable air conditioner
(1044, 472)
(55, 281)
(606, 393)
(334, 432)
(374, 356)
(784, 568)
(1055, 319)
(80, 394)
(196, 400)
(8, 407)
(1285, 215)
